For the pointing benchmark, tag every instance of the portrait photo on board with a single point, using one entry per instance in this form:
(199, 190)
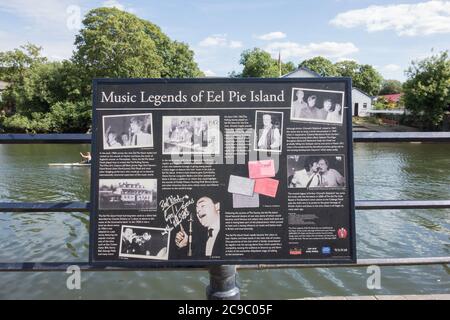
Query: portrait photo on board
(201, 235)
(144, 243)
(131, 194)
(312, 105)
(191, 135)
(315, 171)
(268, 131)
(127, 131)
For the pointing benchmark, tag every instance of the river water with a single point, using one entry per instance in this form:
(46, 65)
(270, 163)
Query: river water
(382, 171)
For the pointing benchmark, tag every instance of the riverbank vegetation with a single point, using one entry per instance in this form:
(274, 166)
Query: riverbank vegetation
(46, 96)
(427, 92)
(55, 96)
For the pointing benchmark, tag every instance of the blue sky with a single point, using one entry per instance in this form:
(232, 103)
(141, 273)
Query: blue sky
(387, 34)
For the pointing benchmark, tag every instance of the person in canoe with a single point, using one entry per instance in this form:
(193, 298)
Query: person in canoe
(86, 157)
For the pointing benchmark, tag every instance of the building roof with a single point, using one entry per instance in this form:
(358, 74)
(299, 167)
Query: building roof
(313, 73)
(364, 93)
(393, 97)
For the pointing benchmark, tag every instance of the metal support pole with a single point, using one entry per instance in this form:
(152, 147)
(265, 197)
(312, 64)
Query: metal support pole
(222, 284)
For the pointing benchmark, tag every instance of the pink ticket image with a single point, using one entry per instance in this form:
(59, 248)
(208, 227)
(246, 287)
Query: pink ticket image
(261, 169)
(266, 186)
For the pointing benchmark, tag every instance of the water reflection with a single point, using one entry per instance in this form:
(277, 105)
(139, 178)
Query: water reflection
(382, 171)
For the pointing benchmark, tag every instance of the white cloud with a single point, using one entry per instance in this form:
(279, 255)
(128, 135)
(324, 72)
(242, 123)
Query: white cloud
(391, 68)
(424, 18)
(391, 71)
(43, 13)
(326, 49)
(53, 50)
(235, 44)
(346, 59)
(51, 24)
(44, 23)
(209, 73)
(220, 40)
(113, 4)
(214, 41)
(272, 36)
(116, 4)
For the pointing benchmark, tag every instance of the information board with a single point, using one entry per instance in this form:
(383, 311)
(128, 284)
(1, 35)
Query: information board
(221, 171)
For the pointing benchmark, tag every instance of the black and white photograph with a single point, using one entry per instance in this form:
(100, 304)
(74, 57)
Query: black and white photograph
(127, 131)
(191, 135)
(268, 131)
(202, 235)
(123, 194)
(323, 106)
(316, 171)
(144, 243)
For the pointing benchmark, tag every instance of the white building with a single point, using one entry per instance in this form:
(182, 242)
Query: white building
(361, 101)
(3, 86)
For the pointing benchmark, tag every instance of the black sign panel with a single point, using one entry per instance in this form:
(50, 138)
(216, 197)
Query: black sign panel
(222, 171)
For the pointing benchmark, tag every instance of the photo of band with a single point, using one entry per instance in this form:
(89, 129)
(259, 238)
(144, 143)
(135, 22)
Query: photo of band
(191, 135)
(323, 106)
(268, 131)
(120, 194)
(127, 131)
(144, 243)
(316, 171)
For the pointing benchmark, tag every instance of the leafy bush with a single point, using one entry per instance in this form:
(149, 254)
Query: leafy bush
(45, 96)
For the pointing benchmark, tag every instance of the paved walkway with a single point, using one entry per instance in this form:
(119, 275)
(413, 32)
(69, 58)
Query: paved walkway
(361, 125)
(388, 297)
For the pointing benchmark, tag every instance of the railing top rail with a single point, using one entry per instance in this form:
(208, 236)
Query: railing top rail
(84, 206)
(65, 138)
(401, 136)
(381, 262)
(75, 138)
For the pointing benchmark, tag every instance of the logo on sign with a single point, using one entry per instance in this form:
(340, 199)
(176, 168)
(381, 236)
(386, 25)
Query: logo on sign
(326, 250)
(295, 252)
(342, 233)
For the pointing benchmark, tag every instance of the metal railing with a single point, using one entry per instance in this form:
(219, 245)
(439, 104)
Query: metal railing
(222, 277)
(79, 138)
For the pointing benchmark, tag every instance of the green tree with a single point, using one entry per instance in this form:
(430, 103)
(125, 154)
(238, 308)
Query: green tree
(427, 90)
(364, 76)
(320, 65)
(347, 68)
(48, 92)
(180, 63)
(287, 67)
(114, 44)
(391, 87)
(14, 63)
(178, 60)
(368, 79)
(14, 66)
(259, 64)
(56, 96)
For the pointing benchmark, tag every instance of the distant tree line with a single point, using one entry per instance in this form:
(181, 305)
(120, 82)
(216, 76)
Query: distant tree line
(47, 96)
(258, 63)
(44, 96)
(426, 92)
